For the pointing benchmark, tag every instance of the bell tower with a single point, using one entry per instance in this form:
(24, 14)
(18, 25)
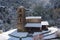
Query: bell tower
(21, 18)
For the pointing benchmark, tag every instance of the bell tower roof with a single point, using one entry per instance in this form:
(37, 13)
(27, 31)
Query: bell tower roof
(21, 7)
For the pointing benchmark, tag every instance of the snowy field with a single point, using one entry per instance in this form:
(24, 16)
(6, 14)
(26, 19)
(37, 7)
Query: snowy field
(5, 35)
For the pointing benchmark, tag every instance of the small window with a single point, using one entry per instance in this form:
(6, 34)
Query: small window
(20, 20)
(20, 10)
(44, 27)
(20, 15)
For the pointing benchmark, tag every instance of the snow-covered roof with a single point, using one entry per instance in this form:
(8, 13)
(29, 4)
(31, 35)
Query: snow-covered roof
(21, 7)
(33, 25)
(44, 23)
(33, 17)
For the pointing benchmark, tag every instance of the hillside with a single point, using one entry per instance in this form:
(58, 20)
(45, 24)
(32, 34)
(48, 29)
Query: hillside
(8, 14)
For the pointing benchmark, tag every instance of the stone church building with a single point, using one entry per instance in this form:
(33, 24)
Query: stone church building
(31, 23)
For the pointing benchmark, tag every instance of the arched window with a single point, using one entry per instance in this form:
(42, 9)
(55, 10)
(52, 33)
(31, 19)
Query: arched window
(20, 19)
(20, 10)
(20, 15)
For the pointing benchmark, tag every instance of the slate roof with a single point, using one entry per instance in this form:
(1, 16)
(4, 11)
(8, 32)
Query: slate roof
(33, 25)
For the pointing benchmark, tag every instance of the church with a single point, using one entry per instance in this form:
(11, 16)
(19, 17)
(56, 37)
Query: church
(30, 23)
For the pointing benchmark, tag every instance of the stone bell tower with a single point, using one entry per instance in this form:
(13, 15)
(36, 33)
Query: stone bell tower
(21, 18)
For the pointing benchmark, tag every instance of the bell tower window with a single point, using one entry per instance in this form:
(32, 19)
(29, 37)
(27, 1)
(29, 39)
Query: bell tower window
(20, 10)
(20, 20)
(20, 15)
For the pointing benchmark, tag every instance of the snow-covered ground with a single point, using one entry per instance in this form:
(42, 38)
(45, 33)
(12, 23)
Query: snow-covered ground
(5, 35)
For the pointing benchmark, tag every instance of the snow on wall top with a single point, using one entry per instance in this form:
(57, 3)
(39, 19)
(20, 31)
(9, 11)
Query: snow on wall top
(33, 17)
